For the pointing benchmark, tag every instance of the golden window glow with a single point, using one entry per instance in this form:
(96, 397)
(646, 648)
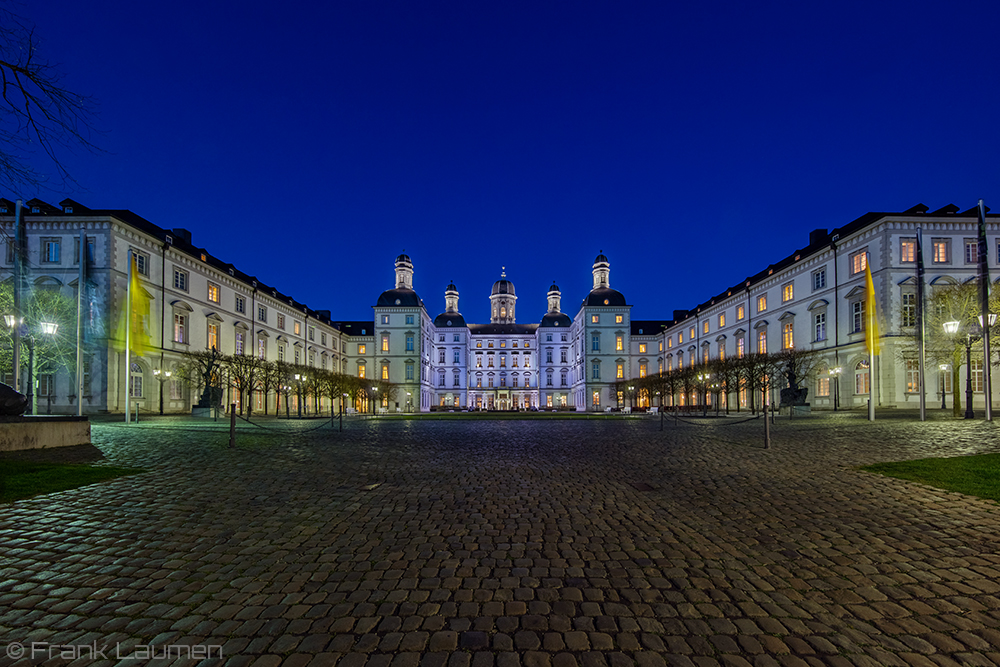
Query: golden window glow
(490, 345)
(761, 303)
(503, 362)
(361, 371)
(722, 320)
(762, 341)
(704, 326)
(691, 336)
(526, 359)
(740, 314)
(642, 370)
(859, 261)
(670, 342)
(385, 343)
(661, 346)
(361, 348)
(620, 371)
(619, 344)
(213, 292)
(787, 292)
(740, 348)
(619, 319)
(595, 319)
(787, 341)
(479, 362)
(642, 348)
(479, 343)
(490, 363)
(385, 372)
(680, 337)
(213, 336)
(503, 343)
(939, 251)
(527, 344)
(298, 328)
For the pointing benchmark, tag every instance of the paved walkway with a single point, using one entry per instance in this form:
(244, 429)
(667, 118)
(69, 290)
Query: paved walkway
(498, 544)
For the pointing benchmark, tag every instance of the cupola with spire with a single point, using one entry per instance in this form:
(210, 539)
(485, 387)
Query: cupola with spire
(502, 300)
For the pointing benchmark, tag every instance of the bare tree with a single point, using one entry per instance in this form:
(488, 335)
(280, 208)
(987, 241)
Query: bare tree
(268, 379)
(727, 374)
(244, 374)
(40, 113)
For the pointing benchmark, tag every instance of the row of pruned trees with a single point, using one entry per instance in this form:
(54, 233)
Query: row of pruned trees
(755, 373)
(249, 376)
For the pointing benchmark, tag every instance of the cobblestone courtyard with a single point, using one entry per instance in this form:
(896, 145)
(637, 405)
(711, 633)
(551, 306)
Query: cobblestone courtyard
(504, 543)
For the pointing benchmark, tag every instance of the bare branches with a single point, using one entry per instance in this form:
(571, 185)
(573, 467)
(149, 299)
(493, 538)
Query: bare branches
(37, 113)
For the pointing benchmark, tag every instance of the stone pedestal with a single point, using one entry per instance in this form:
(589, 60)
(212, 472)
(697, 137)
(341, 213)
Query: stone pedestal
(42, 432)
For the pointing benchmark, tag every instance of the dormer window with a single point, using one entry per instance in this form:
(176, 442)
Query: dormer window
(169, 239)
(35, 209)
(67, 209)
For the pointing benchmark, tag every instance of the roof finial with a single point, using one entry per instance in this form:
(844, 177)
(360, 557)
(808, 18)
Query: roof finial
(503, 271)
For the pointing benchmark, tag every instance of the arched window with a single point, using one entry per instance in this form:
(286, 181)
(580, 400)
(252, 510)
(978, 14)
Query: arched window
(503, 311)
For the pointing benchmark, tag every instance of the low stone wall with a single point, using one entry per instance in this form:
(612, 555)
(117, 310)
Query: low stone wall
(42, 432)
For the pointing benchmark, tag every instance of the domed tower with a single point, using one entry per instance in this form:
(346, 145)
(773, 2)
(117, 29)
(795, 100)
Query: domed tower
(451, 298)
(602, 271)
(502, 300)
(555, 297)
(450, 317)
(404, 272)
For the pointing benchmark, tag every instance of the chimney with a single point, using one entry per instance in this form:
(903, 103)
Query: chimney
(818, 237)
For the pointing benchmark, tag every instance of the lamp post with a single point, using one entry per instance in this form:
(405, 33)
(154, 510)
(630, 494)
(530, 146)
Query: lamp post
(343, 399)
(835, 374)
(409, 405)
(985, 328)
(703, 378)
(162, 376)
(374, 399)
(951, 328)
(944, 369)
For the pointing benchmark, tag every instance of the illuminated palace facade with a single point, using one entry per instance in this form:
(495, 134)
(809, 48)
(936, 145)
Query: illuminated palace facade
(811, 299)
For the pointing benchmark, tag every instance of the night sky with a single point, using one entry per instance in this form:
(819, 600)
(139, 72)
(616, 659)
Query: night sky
(694, 143)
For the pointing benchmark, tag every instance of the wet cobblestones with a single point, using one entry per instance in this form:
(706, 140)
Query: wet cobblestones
(514, 543)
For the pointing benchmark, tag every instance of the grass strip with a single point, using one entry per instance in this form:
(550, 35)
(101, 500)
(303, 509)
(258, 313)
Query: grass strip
(977, 475)
(24, 479)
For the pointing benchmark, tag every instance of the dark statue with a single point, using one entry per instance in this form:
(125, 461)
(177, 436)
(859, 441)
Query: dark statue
(212, 396)
(12, 402)
(793, 394)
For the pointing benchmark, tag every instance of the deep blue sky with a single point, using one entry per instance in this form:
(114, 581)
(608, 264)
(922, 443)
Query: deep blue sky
(694, 143)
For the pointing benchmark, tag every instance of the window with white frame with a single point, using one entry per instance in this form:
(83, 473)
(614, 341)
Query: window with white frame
(281, 321)
(819, 326)
(940, 251)
(908, 316)
(858, 261)
(823, 387)
(241, 304)
(971, 251)
(51, 250)
(861, 378)
(787, 336)
(787, 292)
(180, 328)
(912, 369)
(907, 251)
(977, 375)
(857, 316)
(261, 313)
(180, 280)
(819, 279)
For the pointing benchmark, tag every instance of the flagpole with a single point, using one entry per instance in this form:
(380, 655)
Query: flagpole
(920, 325)
(80, 288)
(128, 332)
(984, 308)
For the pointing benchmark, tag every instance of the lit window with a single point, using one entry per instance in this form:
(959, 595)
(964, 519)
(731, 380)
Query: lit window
(787, 292)
(385, 344)
(670, 342)
(213, 336)
(740, 313)
(787, 340)
(642, 349)
(912, 376)
(297, 328)
(939, 251)
(691, 333)
(823, 387)
(489, 362)
(977, 375)
(619, 319)
(619, 343)
(213, 293)
(907, 250)
(722, 320)
(597, 399)
(642, 370)
(180, 328)
(761, 303)
(680, 337)
(479, 343)
(503, 343)
(361, 348)
(503, 362)
(859, 261)
(762, 341)
(361, 370)
(740, 347)
(971, 251)
(861, 378)
(704, 326)
(595, 319)
(385, 372)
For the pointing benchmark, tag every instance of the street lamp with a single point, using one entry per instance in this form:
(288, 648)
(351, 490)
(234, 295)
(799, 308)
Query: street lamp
(703, 378)
(985, 328)
(951, 328)
(409, 405)
(162, 376)
(374, 399)
(944, 369)
(49, 329)
(835, 374)
(343, 399)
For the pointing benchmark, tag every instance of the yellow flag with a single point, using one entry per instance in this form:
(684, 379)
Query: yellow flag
(132, 324)
(871, 314)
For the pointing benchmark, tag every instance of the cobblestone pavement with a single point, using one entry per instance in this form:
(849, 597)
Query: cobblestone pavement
(561, 543)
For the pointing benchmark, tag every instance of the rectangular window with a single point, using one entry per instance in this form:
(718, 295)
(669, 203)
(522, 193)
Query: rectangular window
(595, 371)
(239, 342)
(503, 362)
(136, 385)
(361, 348)
(762, 341)
(409, 343)
(548, 380)
(409, 371)
(819, 326)
(859, 261)
(787, 336)
(457, 357)
(241, 304)
(642, 349)
(597, 399)
(680, 337)
(456, 380)
(857, 316)
(281, 353)
(176, 390)
(548, 399)
(262, 350)
(909, 315)
(740, 347)
(409, 319)
(385, 372)
(819, 279)
(322, 339)
(823, 387)
(51, 250)
(180, 280)
(297, 328)
(213, 336)
(642, 370)
(619, 343)
(562, 380)
(385, 319)
(977, 375)
(692, 333)
(722, 350)
(312, 333)
(907, 251)
(385, 343)
(90, 250)
(620, 371)
(361, 370)
(595, 319)
(548, 356)
(912, 376)
(262, 313)
(971, 251)
(141, 261)
(213, 293)
(740, 313)
(281, 322)
(298, 356)
(180, 328)
(761, 303)
(46, 384)
(595, 343)
(787, 292)
(704, 326)
(940, 251)
(619, 319)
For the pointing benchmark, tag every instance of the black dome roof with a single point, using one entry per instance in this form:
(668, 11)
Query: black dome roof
(503, 286)
(556, 320)
(601, 258)
(554, 288)
(451, 288)
(403, 258)
(449, 320)
(605, 296)
(398, 297)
